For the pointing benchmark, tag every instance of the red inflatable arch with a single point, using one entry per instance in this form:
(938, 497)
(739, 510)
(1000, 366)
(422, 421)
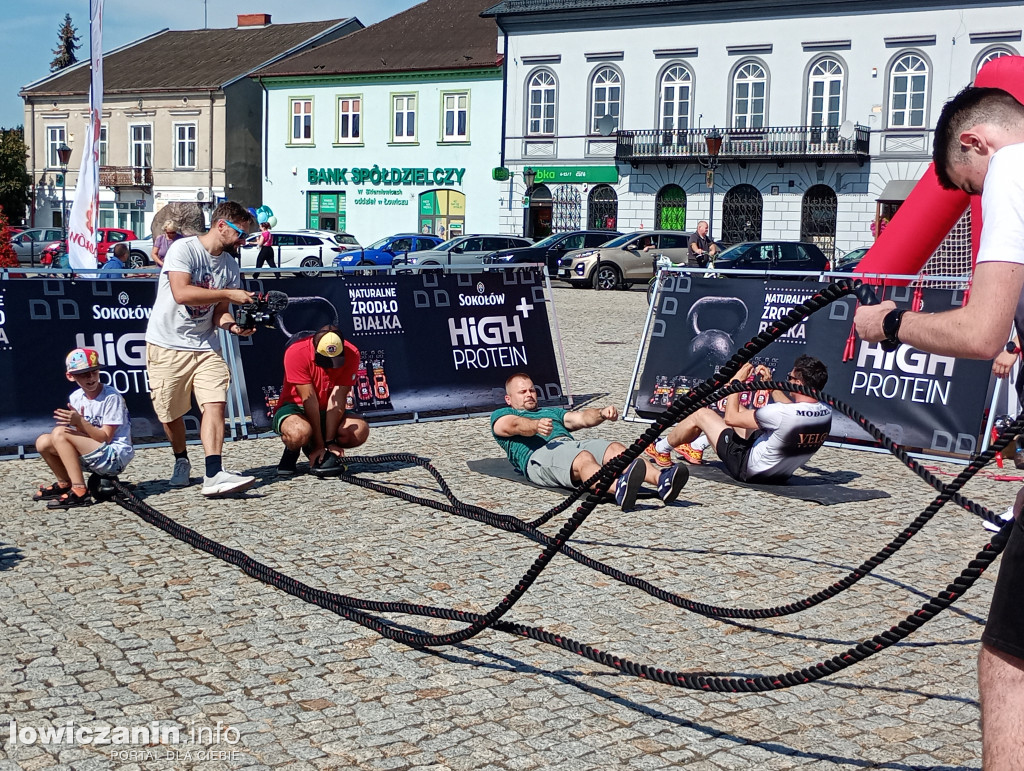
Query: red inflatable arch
(929, 213)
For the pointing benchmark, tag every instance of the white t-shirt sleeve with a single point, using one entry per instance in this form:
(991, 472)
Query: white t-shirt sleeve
(769, 417)
(1002, 205)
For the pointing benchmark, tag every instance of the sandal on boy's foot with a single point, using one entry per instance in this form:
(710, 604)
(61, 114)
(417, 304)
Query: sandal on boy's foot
(629, 483)
(69, 501)
(48, 493)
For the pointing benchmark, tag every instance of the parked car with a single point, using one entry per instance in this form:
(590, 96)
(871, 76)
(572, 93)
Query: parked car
(465, 250)
(107, 237)
(849, 261)
(385, 250)
(140, 252)
(299, 249)
(776, 257)
(30, 244)
(625, 260)
(550, 249)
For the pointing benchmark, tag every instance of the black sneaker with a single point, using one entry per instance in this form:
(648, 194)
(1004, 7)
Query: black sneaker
(628, 484)
(70, 501)
(329, 465)
(286, 467)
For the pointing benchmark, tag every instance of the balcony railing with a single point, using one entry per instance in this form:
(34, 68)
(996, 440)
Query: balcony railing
(749, 144)
(126, 176)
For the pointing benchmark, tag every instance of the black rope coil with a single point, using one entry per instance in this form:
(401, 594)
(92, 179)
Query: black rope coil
(359, 610)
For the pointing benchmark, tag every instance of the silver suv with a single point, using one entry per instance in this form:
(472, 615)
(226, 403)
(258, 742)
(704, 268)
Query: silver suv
(628, 259)
(464, 250)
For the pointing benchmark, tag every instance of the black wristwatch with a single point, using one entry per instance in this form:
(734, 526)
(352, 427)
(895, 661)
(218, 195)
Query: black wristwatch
(1012, 347)
(891, 329)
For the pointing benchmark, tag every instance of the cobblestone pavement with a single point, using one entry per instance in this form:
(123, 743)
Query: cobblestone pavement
(110, 622)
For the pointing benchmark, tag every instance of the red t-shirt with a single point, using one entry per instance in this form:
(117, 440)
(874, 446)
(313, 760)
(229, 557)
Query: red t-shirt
(301, 369)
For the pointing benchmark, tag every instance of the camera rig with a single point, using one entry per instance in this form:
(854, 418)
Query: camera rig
(262, 310)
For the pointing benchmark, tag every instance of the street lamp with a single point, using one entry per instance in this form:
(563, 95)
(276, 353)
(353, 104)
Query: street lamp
(64, 155)
(529, 177)
(713, 142)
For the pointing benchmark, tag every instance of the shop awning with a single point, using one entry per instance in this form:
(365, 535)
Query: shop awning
(896, 190)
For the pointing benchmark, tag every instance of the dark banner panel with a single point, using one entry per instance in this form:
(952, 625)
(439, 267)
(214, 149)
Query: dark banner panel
(44, 319)
(429, 343)
(934, 403)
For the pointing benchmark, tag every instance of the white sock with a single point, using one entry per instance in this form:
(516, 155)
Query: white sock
(662, 445)
(701, 443)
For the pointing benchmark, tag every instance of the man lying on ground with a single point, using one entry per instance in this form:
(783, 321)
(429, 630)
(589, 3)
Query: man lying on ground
(540, 446)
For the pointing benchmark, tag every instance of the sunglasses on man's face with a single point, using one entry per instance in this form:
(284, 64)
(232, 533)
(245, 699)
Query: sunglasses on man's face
(235, 228)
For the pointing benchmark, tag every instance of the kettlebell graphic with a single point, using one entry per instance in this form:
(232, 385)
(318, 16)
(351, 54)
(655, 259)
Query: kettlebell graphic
(712, 347)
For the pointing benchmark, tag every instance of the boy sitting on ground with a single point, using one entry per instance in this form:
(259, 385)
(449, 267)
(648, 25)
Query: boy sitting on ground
(94, 432)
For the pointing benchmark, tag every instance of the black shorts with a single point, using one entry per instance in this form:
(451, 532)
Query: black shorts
(733, 450)
(1005, 628)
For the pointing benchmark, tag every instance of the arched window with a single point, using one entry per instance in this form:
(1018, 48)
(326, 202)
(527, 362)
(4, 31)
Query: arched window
(818, 218)
(675, 98)
(670, 208)
(908, 90)
(541, 98)
(605, 97)
(741, 215)
(749, 96)
(825, 93)
(602, 208)
(991, 54)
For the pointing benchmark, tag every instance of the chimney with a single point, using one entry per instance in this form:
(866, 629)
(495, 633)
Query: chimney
(253, 19)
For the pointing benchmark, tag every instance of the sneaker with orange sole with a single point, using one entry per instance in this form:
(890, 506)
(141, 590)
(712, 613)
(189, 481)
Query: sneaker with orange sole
(690, 455)
(659, 459)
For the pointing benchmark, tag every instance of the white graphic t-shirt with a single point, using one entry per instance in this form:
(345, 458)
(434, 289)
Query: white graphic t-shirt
(190, 327)
(107, 409)
(1002, 206)
(790, 435)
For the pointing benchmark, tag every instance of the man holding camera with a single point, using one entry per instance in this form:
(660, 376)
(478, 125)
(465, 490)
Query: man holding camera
(199, 281)
(319, 371)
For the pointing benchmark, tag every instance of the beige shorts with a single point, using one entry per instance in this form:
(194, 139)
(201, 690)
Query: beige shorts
(174, 375)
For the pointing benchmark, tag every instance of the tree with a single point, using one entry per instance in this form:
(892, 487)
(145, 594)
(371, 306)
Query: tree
(15, 182)
(8, 258)
(67, 44)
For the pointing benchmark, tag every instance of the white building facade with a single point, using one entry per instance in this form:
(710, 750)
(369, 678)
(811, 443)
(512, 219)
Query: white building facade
(375, 154)
(826, 111)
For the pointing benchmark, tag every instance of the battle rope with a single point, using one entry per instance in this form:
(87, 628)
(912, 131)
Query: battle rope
(352, 608)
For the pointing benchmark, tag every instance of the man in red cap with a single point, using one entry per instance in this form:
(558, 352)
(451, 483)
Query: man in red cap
(319, 371)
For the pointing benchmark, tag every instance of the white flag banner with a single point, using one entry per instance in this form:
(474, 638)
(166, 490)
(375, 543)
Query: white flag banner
(85, 208)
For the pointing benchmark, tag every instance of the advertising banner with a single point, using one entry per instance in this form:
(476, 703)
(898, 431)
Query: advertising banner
(923, 401)
(42, 320)
(428, 343)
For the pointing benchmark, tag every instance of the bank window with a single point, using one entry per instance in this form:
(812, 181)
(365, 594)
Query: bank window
(103, 145)
(749, 96)
(908, 90)
(456, 117)
(55, 137)
(302, 121)
(404, 123)
(350, 119)
(185, 145)
(541, 98)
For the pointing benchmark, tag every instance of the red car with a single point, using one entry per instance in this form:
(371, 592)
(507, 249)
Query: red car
(107, 237)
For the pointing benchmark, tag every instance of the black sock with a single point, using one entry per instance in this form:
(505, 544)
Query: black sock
(182, 454)
(213, 465)
(289, 458)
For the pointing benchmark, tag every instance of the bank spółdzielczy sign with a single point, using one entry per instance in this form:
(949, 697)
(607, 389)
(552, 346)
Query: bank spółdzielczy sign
(378, 175)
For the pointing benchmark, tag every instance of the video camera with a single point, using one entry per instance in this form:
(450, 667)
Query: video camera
(262, 310)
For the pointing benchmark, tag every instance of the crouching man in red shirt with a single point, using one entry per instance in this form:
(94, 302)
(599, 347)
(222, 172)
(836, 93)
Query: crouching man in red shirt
(319, 371)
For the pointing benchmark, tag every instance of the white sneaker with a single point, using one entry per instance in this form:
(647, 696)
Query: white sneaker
(1006, 516)
(226, 482)
(180, 477)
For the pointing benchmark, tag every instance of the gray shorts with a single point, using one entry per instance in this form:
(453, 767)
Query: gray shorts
(106, 460)
(551, 465)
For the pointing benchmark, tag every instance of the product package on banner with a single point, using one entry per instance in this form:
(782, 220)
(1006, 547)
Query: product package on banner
(429, 343)
(42, 320)
(923, 401)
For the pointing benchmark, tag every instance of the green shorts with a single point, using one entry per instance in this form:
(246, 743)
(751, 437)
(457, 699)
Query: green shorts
(294, 409)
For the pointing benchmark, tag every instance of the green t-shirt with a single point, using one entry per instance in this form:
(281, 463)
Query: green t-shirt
(520, 448)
